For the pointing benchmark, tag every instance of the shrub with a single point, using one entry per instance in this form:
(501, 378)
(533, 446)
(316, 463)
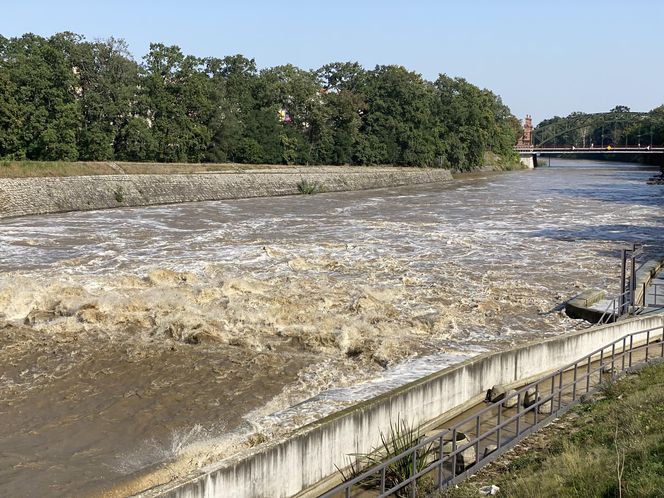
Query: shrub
(308, 188)
(399, 439)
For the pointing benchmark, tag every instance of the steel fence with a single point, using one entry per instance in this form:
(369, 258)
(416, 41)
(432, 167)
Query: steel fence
(453, 453)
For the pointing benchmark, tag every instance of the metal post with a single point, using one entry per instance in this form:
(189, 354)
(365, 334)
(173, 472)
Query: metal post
(632, 282)
(624, 351)
(536, 405)
(574, 383)
(631, 346)
(560, 390)
(454, 456)
(623, 262)
(588, 376)
(477, 435)
(382, 480)
(413, 483)
(647, 344)
(500, 411)
(440, 465)
(518, 414)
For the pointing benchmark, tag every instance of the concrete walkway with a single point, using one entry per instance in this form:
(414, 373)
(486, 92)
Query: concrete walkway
(654, 298)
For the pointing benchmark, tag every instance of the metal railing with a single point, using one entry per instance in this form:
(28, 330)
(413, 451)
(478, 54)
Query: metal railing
(657, 295)
(621, 304)
(617, 307)
(475, 441)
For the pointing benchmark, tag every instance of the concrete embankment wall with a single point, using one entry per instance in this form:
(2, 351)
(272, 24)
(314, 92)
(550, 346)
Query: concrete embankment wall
(27, 196)
(300, 463)
(529, 161)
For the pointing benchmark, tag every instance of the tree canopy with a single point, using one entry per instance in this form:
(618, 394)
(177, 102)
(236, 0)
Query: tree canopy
(66, 98)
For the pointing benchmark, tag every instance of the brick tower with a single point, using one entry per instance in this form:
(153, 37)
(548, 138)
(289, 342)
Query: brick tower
(527, 139)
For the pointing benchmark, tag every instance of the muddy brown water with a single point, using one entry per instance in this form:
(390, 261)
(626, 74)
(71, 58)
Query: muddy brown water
(186, 333)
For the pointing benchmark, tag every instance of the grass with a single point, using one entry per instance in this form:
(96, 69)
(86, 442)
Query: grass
(308, 188)
(613, 447)
(22, 169)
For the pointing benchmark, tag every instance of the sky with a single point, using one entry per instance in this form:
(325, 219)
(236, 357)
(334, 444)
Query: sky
(543, 58)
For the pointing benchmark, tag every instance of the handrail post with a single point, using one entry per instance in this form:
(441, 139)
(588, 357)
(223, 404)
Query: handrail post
(440, 464)
(632, 280)
(477, 435)
(518, 414)
(454, 455)
(413, 483)
(576, 365)
(623, 264)
(560, 390)
(647, 344)
(500, 411)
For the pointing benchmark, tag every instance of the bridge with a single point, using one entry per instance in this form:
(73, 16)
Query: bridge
(589, 150)
(617, 132)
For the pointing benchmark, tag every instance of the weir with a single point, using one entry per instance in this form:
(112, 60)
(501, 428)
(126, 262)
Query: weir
(306, 463)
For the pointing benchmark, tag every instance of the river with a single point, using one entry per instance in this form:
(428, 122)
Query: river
(185, 333)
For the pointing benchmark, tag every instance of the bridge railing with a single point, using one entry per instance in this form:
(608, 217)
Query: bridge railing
(443, 459)
(599, 149)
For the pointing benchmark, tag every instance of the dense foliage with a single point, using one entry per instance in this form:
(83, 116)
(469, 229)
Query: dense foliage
(65, 98)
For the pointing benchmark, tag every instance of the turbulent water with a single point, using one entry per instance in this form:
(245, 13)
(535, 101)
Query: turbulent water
(185, 333)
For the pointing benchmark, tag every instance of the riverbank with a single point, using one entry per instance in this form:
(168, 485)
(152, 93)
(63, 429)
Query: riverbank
(49, 169)
(610, 446)
(55, 194)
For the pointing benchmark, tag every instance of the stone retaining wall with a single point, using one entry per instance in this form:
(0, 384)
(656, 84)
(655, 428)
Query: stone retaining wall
(28, 196)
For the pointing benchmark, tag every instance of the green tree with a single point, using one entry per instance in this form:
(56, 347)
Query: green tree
(108, 79)
(397, 118)
(178, 107)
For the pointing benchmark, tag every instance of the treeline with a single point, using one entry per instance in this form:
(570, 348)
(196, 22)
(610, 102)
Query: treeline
(620, 127)
(65, 98)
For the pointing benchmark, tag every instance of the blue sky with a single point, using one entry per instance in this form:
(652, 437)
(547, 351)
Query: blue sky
(543, 58)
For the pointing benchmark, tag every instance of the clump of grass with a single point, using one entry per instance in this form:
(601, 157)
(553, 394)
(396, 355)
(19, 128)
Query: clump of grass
(306, 187)
(119, 195)
(399, 439)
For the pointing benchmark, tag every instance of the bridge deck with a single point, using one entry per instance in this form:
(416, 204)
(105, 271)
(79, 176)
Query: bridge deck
(590, 150)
